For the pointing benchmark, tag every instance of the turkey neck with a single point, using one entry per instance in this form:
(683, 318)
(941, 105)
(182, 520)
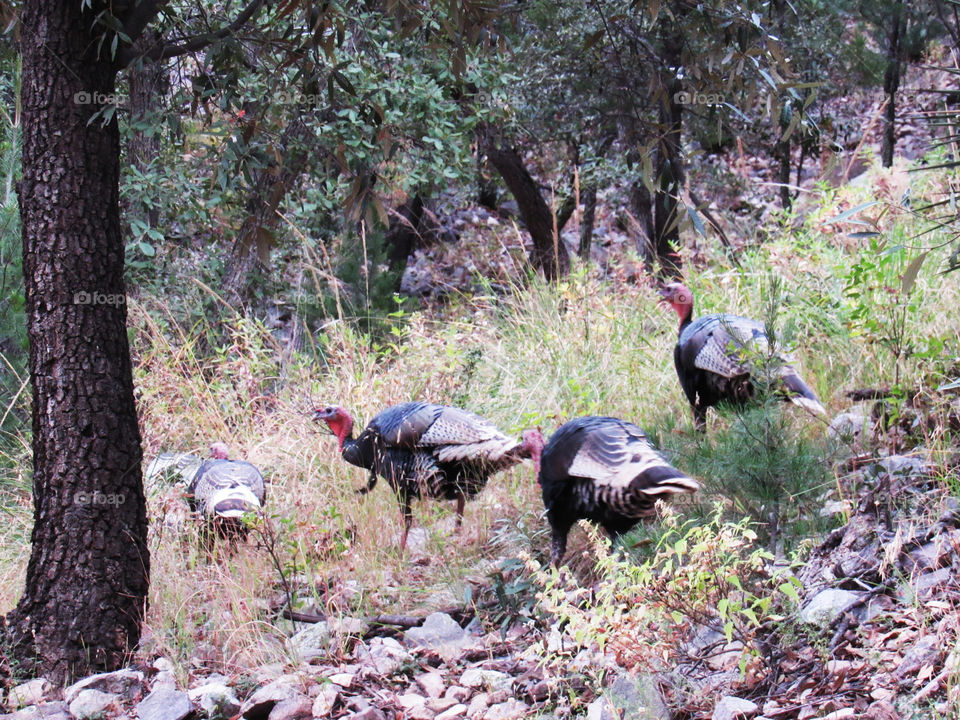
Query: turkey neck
(357, 451)
(686, 318)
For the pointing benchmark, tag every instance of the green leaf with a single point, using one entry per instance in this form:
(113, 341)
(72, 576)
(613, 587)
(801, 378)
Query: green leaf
(146, 248)
(910, 274)
(851, 212)
(790, 591)
(697, 222)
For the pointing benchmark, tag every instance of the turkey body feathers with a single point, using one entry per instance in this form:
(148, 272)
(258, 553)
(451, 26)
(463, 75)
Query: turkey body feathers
(226, 488)
(605, 470)
(427, 450)
(711, 358)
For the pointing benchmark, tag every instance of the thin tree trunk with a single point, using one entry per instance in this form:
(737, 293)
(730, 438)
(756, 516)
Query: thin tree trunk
(486, 185)
(86, 583)
(147, 82)
(891, 82)
(782, 152)
(589, 219)
(669, 163)
(641, 223)
(255, 238)
(549, 254)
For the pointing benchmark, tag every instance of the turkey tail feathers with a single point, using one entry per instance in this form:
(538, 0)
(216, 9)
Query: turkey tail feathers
(673, 486)
(801, 394)
(233, 502)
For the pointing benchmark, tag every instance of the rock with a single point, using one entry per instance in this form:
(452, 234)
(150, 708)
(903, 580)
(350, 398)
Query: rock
(417, 542)
(478, 705)
(600, 709)
(162, 664)
(215, 698)
(165, 679)
(453, 712)
(92, 704)
(164, 704)
(54, 710)
(371, 713)
(263, 700)
(385, 655)
(509, 710)
(926, 651)
(421, 712)
(344, 680)
(731, 707)
(441, 633)
(849, 427)
(492, 680)
(29, 693)
(125, 683)
(324, 702)
(313, 641)
(293, 709)
(441, 704)
(636, 698)
(727, 657)
(460, 694)
(901, 466)
(411, 700)
(927, 584)
(827, 605)
(316, 640)
(433, 683)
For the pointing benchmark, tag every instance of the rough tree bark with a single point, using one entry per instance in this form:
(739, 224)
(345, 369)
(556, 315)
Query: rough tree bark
(891, 82)
(87, 577)
(549, 254)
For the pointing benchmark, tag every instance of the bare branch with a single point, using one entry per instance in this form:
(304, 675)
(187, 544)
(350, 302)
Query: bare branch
(159, 51)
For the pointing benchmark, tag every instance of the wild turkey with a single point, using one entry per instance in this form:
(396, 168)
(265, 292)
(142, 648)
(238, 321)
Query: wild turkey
(174, 467)
(224, 490)
(601, 469)
(711, 362)
(425, 450)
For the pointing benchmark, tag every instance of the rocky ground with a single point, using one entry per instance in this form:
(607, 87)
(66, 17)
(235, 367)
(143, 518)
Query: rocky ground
(876, 636)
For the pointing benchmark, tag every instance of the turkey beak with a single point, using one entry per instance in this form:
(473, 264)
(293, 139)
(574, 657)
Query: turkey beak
(317, 417)
(664, 296)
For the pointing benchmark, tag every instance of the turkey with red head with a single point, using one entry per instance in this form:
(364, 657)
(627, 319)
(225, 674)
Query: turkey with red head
(712, 359)
(425, 450)
(601, 469)
(224, 490)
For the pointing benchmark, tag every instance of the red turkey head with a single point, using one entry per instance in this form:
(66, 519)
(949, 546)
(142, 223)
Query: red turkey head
(532, 446)
(679, 297)
(219, 451)
(338, 420)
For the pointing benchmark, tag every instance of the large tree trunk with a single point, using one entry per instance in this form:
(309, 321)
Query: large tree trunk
(891, 82)
(87, 577)
(549, 254)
